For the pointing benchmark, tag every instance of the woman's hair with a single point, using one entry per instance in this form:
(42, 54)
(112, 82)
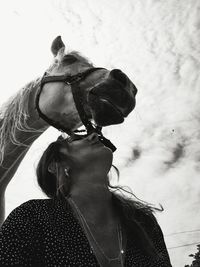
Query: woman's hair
(46, 179)
(136, 215)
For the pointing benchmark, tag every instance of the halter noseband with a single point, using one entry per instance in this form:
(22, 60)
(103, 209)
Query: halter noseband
(73, 81)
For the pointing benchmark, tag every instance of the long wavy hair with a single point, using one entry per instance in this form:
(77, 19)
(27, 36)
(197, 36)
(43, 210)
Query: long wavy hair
(136, 215)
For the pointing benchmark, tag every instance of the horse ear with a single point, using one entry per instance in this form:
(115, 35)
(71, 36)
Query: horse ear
(57, 44)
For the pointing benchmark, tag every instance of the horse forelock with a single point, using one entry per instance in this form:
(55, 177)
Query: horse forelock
(80, 57)
(57, 61)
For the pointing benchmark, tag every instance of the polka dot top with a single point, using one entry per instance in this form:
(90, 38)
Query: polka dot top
(44, 232)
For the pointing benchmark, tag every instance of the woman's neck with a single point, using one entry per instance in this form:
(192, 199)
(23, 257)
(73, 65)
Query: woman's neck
(94, 201)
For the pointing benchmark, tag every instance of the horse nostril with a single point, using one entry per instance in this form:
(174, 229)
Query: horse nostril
(119, 76)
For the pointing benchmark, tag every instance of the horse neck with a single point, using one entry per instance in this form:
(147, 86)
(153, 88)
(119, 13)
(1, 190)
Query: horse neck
(20, 126)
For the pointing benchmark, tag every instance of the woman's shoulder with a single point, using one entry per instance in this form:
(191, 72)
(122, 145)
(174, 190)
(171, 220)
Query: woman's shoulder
(37, 214)
(34, 203)
(29, 208)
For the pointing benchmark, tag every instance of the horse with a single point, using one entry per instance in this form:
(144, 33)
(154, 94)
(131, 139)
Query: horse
(107, 97)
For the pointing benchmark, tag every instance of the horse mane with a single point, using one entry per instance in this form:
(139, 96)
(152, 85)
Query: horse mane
(13, 117)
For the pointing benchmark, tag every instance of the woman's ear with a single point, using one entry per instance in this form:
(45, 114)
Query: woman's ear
(53, 167)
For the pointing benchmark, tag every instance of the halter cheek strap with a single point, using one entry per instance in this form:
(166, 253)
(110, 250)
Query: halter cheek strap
(46, 79)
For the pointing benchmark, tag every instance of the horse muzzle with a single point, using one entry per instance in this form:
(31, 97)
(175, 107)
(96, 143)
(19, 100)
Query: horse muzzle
(113, 99)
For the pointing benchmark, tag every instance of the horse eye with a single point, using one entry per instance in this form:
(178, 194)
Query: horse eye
(69, 59)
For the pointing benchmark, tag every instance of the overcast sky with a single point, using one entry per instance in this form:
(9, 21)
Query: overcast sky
(156, 43)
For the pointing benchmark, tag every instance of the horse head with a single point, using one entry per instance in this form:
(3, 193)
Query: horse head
(107, 96)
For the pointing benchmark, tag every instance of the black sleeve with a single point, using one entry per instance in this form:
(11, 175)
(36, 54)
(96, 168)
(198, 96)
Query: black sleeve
(159, 243)
(18, 237)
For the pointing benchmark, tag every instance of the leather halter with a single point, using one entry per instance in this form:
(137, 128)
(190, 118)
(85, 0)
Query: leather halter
(73, 81)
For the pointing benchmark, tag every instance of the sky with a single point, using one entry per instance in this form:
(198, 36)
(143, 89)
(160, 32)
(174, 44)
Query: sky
(156, 43)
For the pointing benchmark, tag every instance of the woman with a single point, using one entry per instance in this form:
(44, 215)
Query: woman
(85, 222)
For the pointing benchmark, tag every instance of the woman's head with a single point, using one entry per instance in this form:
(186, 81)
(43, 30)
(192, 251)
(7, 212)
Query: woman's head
(67, 158)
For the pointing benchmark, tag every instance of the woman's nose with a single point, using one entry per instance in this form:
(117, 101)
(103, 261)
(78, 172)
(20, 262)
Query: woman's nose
(93, 137)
